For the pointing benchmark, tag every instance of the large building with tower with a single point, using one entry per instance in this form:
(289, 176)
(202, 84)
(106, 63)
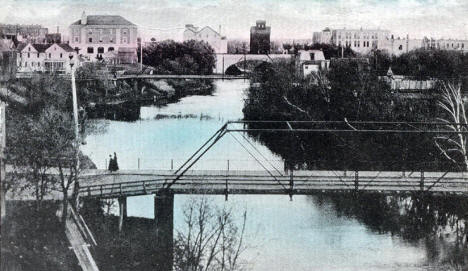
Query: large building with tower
(94, 35)
(260, 38)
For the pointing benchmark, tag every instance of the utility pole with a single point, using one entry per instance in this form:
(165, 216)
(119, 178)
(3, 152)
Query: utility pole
(141, 53)
(2, 164)
(77, 134)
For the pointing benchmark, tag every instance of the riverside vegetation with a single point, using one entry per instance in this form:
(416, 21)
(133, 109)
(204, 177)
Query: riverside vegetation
(351, 90)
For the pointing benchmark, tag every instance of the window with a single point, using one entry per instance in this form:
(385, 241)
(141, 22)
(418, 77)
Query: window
(60, 55)
(76, 39)
(100, 50)
(37, 55)
(26, 64)
(90, 39)
(110, 49)
(29, 55)
(38, 64)
(50, 55)
(400, 47)
(90, 50)
(29, 49)
(32, 64)
(462, 45)
(124, 40)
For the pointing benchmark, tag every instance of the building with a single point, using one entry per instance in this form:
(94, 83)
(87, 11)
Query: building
(310, 61)
(322, 37)
(53, 38)
(398, 46)
(44, 57)
(446, 44)
(207, 34)
(95, 35)
(359, 40)
(25, 33)
(260, 38)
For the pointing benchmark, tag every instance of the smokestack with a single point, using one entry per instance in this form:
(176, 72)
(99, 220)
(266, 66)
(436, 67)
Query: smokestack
(58, 29)
(84, 18)
(219, 30)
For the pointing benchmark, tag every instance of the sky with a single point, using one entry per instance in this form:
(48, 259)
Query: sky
(294, 19)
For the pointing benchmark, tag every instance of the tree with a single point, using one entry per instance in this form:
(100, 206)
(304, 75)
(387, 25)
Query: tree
(211, 240)
(189, 57)
(37, 145)
(455, 147)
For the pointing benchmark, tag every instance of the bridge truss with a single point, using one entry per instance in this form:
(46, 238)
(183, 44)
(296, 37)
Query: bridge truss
(296, 127)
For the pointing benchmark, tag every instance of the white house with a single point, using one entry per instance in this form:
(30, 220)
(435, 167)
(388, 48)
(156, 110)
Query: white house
(45, 57)
(311, 61)
(207, 34)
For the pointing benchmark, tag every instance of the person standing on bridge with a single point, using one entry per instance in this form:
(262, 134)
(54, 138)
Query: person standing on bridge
(111, 162)
(116, 165)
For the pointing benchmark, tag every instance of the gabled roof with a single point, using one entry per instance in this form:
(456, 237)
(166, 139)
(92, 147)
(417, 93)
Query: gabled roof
(206, 27)
(41, 48)
(66, 47)
(104, 20)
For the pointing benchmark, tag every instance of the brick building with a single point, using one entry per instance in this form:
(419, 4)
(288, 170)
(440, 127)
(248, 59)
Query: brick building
(260, 38)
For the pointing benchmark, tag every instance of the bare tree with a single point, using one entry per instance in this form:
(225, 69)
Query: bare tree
(211, 240)
(454, 147)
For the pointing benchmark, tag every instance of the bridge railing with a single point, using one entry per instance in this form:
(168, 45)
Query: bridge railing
(219, 182)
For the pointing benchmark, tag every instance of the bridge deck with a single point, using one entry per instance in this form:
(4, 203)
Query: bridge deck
(102, 183)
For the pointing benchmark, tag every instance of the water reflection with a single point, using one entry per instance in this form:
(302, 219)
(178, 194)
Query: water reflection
(319, 232)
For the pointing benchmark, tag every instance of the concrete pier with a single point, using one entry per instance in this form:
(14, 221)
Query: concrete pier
(164, 218)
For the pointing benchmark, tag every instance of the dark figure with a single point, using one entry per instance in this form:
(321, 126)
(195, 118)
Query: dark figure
(116, 165)
(111, 162)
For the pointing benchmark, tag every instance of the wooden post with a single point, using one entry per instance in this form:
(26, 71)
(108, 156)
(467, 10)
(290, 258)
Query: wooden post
(356, 181)
(291, 183)
(226, 191)
(421, 181)
(122, 211)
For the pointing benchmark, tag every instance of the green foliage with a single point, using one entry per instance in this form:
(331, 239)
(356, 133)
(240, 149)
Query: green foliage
(423, 64)
(332, 50)
(189, 57)
(350, 90)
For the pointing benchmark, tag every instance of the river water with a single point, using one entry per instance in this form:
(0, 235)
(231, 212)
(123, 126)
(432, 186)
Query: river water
(281, 234)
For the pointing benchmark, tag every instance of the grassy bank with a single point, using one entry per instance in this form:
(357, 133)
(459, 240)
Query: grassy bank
(34, 240)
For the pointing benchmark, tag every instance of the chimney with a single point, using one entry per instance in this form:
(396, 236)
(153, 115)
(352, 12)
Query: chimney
(58, 29)
(219, 30)
(84, 18)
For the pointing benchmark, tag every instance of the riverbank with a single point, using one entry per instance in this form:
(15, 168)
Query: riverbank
(34, 239)
(123, 101)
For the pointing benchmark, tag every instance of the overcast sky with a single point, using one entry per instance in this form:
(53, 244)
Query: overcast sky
(288, 19)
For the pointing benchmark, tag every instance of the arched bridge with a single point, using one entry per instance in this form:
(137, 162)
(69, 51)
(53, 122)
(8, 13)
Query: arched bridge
(224, 61)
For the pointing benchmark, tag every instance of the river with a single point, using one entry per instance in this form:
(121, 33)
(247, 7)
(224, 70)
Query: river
(281, 234)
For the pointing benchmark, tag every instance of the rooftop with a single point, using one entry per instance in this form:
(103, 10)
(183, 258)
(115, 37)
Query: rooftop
(104, 20)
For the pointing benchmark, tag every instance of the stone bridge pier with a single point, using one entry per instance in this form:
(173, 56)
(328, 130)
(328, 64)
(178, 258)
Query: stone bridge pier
(164, 218)
(164, 227)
